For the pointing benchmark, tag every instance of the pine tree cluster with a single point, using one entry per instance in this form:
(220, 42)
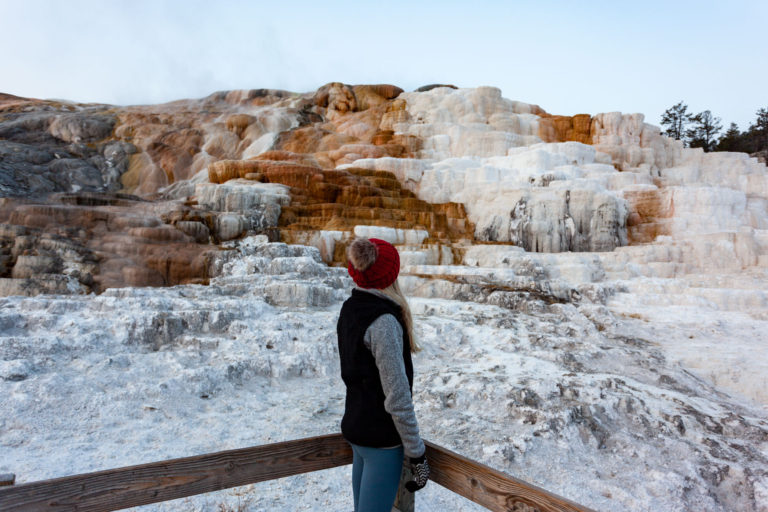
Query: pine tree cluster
(701, 130)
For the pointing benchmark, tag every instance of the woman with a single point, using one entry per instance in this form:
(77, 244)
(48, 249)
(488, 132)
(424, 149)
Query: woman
(375, 332)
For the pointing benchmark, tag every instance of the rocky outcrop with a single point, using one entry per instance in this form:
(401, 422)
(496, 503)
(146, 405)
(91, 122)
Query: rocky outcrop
(429, 87)
(50, 146)
(576, 128)
(177, 141)
(632, 144)
(567, 220)
(351, 122)
(467, 122)
(461, 165)
(84, 243)
(339, 200)
(547, 197)
(44, 151)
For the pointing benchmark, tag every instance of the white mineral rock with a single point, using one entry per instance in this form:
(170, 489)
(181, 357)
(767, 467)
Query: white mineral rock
(392, 235)
(535, 385)
(468, 122)
(568, 339)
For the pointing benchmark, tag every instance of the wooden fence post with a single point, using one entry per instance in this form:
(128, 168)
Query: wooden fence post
(405, 501)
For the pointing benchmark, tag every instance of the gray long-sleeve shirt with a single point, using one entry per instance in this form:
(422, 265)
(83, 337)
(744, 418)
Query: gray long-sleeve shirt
(384, 338)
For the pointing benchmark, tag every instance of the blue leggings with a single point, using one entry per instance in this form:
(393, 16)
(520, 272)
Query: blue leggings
(375, 477)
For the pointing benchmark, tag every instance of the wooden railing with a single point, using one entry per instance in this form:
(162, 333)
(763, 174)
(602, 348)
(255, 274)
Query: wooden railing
(131, 486)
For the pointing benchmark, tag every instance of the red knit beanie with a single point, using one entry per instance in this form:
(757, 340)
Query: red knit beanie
(373, 263)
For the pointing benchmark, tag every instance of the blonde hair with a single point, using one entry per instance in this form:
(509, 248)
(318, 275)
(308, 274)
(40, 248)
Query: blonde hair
(393, 292)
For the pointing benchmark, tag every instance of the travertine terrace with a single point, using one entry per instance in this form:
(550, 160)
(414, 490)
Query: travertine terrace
(592, 295)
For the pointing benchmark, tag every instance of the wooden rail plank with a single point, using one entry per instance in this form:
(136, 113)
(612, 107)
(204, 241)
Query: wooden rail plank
(490, 488)
(115, 489)
(131, 486)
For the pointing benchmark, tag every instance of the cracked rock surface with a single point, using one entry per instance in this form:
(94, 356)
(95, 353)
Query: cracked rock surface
(563, 394)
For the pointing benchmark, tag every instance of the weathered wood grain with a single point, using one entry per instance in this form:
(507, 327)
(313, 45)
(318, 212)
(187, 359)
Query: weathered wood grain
(115, 489)
(490, 488)
(405, 500)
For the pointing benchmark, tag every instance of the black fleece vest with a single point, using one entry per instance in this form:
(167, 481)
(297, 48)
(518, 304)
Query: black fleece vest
(365, 421)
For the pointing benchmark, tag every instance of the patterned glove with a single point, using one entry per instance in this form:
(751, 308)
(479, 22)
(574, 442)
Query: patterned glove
(420, 470)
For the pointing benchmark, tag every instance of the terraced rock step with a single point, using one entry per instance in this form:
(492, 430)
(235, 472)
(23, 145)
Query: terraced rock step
(339, 200)
(91, 242)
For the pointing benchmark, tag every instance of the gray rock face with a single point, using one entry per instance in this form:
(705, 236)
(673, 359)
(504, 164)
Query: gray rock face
(568, 220)
(116, 156)
(31, 128)
(73, 174)
(30, 266)
(15, 370)
(45, 151)
(243, 206)
(196, 230)
(425, 88)
(34, 262)
(41, 285)
(24, 170)
(87, 241)
(229, 226)
(81, 127)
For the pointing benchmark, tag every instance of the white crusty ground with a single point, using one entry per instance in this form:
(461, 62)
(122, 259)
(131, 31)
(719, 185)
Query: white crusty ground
(572, 397)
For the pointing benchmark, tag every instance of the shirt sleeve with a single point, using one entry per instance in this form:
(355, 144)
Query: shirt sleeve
(384, 338)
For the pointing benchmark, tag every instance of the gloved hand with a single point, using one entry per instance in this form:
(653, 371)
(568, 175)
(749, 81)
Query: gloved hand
(420, 470)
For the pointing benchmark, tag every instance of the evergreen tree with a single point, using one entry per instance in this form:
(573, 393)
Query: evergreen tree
(761, 130)
(752, 140)
(732, 140)
(704, 131)
(676, 120)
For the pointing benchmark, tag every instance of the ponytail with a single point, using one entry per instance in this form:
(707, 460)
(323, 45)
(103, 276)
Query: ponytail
(393, 292)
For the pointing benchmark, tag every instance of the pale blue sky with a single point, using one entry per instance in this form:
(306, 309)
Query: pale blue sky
(568, 57)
